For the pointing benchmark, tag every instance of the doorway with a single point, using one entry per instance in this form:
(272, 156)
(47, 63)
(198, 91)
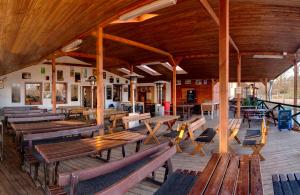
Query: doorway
(87, 96)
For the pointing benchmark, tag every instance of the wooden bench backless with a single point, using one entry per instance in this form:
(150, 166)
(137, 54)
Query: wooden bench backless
(138, 166)
(50, 137)
(136, 117)
(40, 117)
(223, 174)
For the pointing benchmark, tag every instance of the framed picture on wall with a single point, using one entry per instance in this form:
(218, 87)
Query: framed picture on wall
(77, 77)
(198, 82)
(26, 75)
(60, 75)
(72, 71)
(117, 80)
(108, 92)
(111, 79)
(85, 73)
(178, 82)
(188, 82)
(205, 82)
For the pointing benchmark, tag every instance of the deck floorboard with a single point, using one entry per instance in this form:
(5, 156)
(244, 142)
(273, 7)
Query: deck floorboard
(282, 154)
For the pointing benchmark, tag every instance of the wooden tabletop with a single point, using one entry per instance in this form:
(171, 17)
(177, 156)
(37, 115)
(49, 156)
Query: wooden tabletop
(234, 123)
(73, 149)
(107, 113)
(160, 119)
(230, 174)
(44, 125)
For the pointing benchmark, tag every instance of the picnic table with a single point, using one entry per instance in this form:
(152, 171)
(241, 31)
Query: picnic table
(40, 127)
(209, 107)
(255, 114)
(185, 109)
(157, 122)
(53, 153)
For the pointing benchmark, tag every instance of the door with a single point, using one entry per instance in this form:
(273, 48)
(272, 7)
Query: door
(191, 96)
(87, 96)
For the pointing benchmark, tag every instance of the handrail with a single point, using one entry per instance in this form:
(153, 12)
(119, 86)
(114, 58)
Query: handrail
(279, 105)
(284, 104)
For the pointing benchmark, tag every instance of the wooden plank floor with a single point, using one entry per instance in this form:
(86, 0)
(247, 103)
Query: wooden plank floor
(282, 154)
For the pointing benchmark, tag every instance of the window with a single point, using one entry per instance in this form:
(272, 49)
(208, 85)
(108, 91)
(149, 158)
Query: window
(33, 93)
(117, 93)
(61, 93)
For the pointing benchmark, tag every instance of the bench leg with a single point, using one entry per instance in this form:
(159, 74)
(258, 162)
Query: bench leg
(237, 139)
(138, 146)
(123, 151)
(256, 150)
(198, 149)
(108, 154)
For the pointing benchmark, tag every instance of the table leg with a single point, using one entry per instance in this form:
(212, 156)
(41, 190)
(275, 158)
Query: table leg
(138, 145)
(170, 124)
(49, 174)
(152, 133)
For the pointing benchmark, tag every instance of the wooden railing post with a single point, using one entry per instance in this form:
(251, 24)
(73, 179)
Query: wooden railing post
(224, 74)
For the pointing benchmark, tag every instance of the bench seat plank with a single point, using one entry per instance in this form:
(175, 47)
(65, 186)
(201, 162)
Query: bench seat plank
(230, 180)
(244, 177)
(256, 183)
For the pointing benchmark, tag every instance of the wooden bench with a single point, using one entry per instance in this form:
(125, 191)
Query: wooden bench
(137, 117)
(286, 184)
(204, 138)
(116, 177)
(255, 141)
(28, 153)
(35, 118)
(114, 120)
(1, 141)
(223, 174)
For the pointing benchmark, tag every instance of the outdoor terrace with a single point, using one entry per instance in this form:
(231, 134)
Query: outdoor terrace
(282, 155)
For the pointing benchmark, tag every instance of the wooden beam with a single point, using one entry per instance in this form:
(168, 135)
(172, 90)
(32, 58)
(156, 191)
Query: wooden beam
(266, 88)
(212, 13)
(223, 74)
(174, 64)
(53, 84)
(239, 89)
(295, 85)
(115, 61)
(135, 44)
(131, 87)
(100, 81)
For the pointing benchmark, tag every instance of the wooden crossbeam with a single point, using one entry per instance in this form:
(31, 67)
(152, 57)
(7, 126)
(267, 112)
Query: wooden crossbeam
(212, 13)
(135, 44)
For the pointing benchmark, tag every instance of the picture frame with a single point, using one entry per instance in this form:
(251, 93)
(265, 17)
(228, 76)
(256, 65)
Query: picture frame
(198, 82)
(188, 81)
(26, 75)
(60, 75)
(108, 92)
(111, 79)
(77, 77)
(178, 82)
(72, 71)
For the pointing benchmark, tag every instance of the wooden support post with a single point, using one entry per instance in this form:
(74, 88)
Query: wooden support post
(173, 63)
(266, 88)
(295, 85)
(131, 87)
(239, 89)
(53, 84)
(224, 74)
(100, 82)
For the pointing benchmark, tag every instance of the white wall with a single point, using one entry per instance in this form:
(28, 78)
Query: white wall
(36, 76)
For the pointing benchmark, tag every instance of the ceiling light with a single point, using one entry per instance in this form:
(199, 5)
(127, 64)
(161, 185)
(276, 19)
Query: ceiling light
(149, 70)
(268, 56)
(124, 70)
(151, 7)
(72, 46)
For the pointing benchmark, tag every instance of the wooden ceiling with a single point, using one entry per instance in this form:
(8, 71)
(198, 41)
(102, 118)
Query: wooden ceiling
(183, 30)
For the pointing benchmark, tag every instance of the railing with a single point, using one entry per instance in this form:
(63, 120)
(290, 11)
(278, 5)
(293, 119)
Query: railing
(281, 106)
